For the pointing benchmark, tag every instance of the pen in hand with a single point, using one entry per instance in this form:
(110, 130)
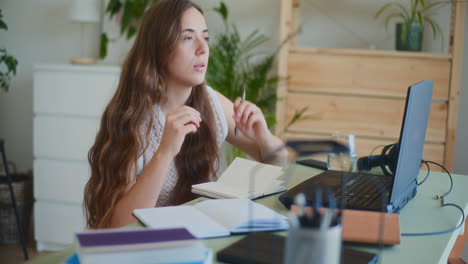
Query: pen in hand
(243, 99)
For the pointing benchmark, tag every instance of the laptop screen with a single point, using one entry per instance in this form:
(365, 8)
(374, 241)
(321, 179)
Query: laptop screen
(411, 143)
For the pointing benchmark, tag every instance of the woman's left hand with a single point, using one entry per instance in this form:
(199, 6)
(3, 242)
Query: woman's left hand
(250, 120)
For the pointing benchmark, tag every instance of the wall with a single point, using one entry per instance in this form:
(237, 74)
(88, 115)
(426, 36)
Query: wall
(51, 38)
(39, 32)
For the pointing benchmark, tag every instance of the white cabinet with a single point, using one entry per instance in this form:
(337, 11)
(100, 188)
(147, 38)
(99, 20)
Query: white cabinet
(68, 104)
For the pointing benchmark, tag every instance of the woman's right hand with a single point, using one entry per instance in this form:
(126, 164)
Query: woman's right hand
(178, 124)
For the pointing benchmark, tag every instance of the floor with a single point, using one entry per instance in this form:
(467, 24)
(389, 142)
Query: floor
(13, 254)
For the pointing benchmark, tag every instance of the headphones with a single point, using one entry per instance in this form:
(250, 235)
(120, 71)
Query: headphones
(387, 160)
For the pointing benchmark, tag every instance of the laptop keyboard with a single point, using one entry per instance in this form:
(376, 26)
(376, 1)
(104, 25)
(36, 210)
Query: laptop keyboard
(362, 189)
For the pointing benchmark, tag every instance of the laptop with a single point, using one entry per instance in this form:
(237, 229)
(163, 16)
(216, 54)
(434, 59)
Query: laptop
(377, 192)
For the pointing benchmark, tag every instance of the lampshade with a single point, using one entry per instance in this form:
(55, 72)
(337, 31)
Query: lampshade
(85, 11)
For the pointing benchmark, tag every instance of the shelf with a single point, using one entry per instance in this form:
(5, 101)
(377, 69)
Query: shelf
(377, 53)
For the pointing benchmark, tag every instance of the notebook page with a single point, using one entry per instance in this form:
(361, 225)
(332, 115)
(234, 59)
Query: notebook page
(239, 175)
(234, 213)
(199, 224)
(216, 189)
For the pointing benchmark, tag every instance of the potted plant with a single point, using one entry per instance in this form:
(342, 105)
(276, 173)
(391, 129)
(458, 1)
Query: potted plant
(129, 14)
(236, 64)
(409, 32)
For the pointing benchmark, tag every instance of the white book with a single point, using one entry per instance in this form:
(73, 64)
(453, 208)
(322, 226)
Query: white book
(155, 246)
(214, 218)
(193, 254)
(244, 179)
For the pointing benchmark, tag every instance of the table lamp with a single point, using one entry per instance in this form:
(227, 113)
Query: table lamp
(84, 12)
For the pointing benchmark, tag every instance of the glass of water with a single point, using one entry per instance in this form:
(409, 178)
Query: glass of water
(343, 161)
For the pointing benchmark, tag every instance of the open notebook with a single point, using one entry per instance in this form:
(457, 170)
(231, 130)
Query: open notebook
(244, 179)
(214, 218)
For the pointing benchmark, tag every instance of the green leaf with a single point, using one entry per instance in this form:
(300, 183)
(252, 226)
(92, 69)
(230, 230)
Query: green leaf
(441, 35)
(132, 12)
(389, 17)
(403, 12)
(433, 27)
(420, 19)
(436, 30)
(432, 5)
(113, 7)
(103, 46)
(414, 4)
(296, 117)
(139, 7)
(8, 71)
(3, 25)
(126, 16)
(131, 32)
(382, 9)
(423, 3)
(222, 10)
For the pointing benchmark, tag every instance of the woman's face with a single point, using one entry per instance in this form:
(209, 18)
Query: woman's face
(187, 66)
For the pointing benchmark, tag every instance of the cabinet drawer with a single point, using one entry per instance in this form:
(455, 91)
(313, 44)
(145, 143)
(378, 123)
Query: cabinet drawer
(60, 180)
(64, 138)
(57, 223)
(75, 93)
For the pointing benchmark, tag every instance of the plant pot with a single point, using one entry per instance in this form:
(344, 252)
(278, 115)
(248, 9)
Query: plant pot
(409, 36)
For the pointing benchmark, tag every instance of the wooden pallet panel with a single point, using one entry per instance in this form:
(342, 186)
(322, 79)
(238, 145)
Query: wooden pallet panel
(375, 76)
(367, 117)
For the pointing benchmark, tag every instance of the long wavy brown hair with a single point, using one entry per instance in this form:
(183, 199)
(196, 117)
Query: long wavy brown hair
(128, 119)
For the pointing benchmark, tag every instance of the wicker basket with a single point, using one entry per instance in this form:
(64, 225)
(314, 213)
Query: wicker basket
(22, 187)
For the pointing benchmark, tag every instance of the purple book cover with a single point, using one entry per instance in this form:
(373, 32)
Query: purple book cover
(133, 237)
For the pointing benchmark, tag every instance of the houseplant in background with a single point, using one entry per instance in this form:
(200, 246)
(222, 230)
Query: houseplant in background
(128, 13)
(8, 63)
(235, 65)
(409, 32)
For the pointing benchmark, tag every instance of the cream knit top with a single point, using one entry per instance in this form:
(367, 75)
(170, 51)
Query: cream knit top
(165, 196)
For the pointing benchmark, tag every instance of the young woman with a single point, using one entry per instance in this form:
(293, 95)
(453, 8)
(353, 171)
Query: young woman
(162, 130)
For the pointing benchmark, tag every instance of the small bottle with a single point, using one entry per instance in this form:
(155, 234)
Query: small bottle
(352, 153)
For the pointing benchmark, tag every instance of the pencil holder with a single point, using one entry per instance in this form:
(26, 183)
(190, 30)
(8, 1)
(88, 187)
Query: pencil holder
(313, 246)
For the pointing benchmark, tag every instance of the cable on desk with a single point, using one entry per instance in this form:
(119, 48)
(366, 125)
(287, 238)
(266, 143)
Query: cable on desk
(450, 177)
(428, 171)
(443, 204)
(443, 231)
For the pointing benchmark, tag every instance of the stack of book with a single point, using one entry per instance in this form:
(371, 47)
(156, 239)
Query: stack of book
(174, 245)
